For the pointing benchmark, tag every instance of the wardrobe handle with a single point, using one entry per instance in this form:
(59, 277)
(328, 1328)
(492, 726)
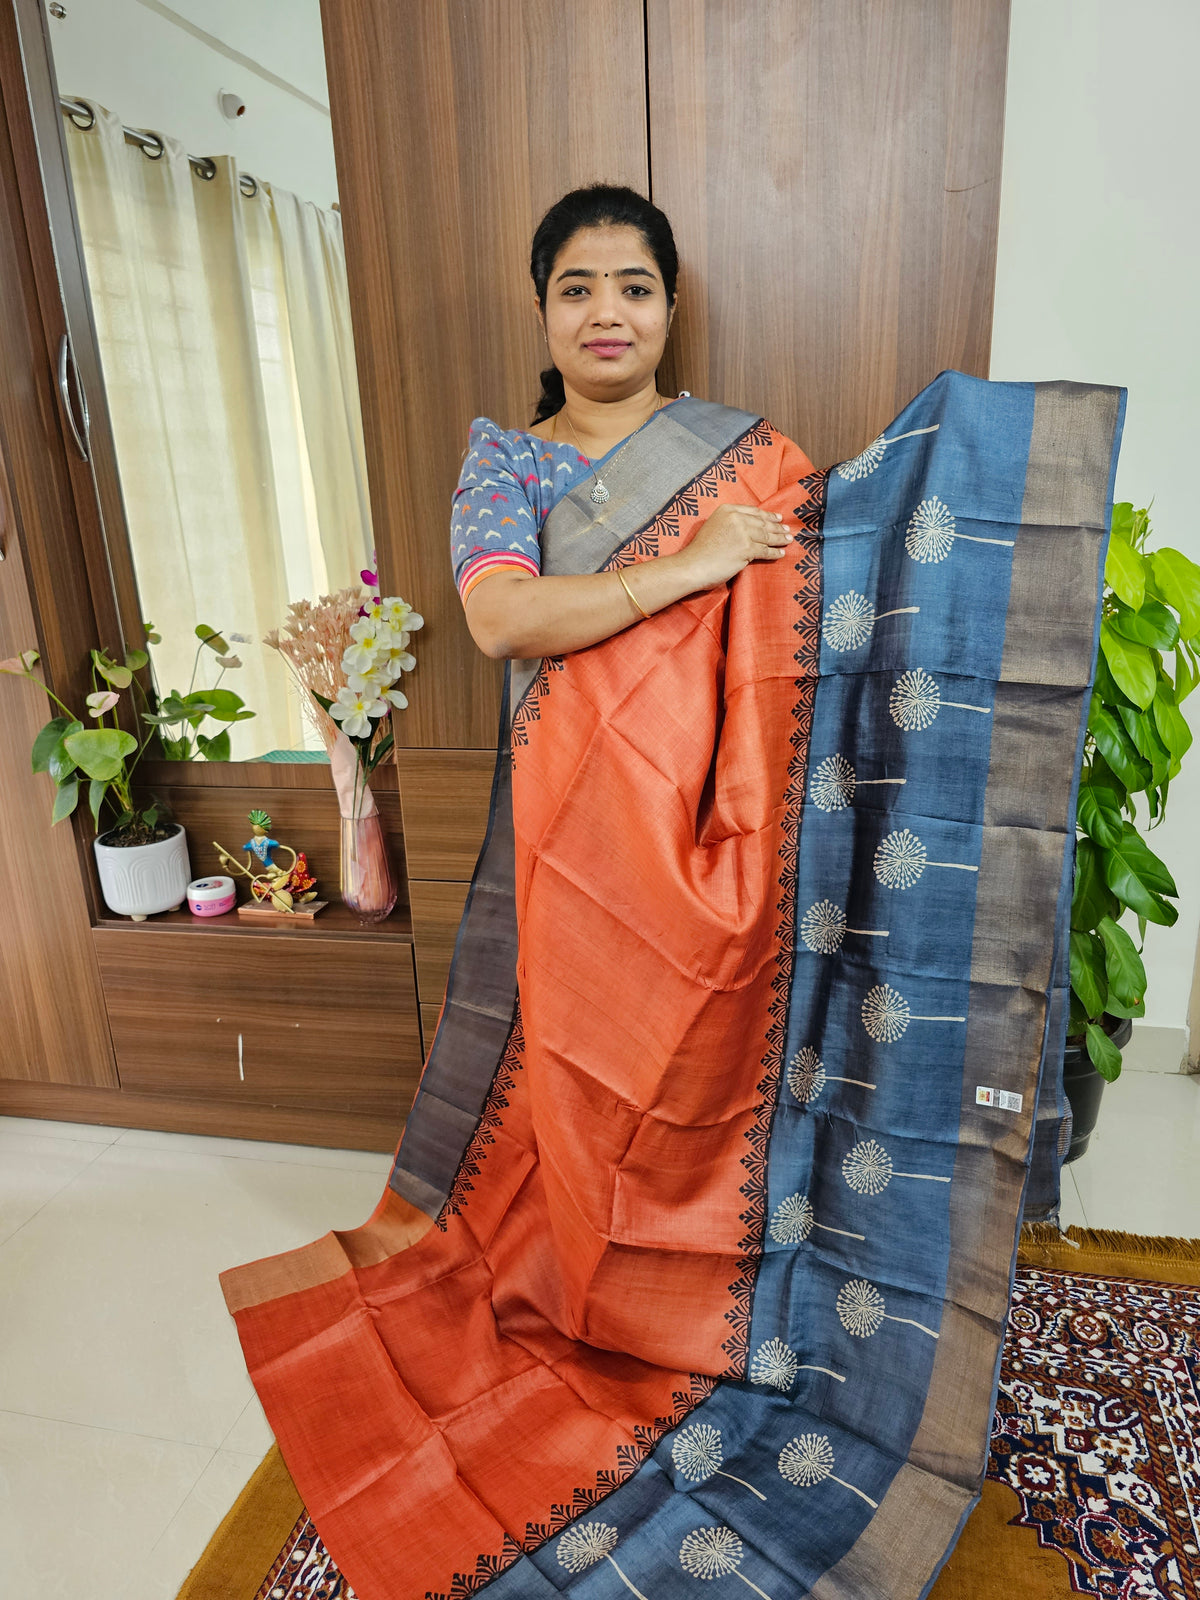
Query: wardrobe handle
(65, 355)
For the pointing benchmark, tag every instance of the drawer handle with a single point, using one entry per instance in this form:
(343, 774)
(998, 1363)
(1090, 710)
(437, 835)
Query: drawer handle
(241, 1070)
(65, 354)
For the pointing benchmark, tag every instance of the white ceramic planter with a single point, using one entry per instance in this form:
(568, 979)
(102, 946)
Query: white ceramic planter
(138, 880)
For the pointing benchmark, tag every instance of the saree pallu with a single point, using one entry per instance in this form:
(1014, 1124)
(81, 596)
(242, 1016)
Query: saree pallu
(695, 1256)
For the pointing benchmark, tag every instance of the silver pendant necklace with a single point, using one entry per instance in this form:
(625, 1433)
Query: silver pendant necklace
(600, 494)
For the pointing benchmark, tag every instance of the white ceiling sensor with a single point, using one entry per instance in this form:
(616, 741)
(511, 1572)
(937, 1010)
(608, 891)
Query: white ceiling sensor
(232, 105)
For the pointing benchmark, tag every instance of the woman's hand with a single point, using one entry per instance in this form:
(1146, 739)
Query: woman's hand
(731, 539)
(511, 614)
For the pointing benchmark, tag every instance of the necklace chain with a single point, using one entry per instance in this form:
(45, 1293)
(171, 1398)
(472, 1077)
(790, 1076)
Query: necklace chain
(600, 492)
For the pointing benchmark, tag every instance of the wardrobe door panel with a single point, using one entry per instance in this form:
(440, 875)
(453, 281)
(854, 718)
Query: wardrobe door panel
(52, 1023)
(832, 172)
(455, 126)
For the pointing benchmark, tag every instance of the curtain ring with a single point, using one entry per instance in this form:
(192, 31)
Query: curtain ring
(152, 138)
(77, 110)
(205, 167)
(244, 179)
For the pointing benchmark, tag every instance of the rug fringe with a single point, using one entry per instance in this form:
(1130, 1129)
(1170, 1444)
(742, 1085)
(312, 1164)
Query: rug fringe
(1108, 1242)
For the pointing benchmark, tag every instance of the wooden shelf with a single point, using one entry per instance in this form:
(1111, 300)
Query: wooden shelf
(335, 922)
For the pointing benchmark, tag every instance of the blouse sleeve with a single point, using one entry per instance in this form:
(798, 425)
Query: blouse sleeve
(493, 526)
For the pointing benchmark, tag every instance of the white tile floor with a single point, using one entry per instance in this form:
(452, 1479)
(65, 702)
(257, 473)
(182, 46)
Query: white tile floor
(127, 1422)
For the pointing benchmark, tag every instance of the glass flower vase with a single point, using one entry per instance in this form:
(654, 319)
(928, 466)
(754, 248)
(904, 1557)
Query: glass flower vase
(368, 882)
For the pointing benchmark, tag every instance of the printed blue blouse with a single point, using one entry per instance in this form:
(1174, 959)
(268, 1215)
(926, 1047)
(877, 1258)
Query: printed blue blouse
(511, 480)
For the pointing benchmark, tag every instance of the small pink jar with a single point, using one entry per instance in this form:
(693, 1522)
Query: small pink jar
(211, 897)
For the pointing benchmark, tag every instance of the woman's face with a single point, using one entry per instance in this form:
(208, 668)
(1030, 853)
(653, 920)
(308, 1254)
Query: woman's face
(606, 316)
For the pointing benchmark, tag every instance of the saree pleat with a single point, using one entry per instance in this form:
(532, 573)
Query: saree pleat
(696, 1252)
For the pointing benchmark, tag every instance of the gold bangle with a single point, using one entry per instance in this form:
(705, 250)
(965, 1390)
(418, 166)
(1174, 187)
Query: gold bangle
(631, 595)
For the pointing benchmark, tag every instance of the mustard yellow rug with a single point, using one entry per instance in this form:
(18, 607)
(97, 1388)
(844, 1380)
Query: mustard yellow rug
(1096, 1407)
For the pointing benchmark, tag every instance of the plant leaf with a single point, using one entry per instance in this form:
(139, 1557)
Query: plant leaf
(1124, 571)
(225, 706)
(1122, 522)
(100, 752)
(1106, 685)
(1179, 580)
(216, 748)
(1130, 664)
(61, 766)
(1091, 899)
(1153, 625)
(1088, 977)
(1115, 745)
(1100, 814)
(120, 677)
(1171, 724)
(211, 638)
(1122, 964)
(1106, 1058)
(1118, 1008)
(65, 800)
(1138, 878)
(1139, 725)
(97, 789)
(48, 740)
(136, 660)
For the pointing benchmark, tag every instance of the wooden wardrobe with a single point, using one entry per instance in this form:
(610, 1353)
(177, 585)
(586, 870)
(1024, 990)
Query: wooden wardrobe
(832, 172)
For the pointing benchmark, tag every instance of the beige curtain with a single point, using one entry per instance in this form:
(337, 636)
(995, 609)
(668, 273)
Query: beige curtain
(224, 329)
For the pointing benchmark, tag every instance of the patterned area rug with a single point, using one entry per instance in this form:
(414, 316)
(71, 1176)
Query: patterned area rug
(1097, 1429)
(1094, 1465)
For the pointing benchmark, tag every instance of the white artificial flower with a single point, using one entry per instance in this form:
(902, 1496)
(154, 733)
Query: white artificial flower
(371, 639)
(370, 683)
(354, 711)
(396, 697)
(398, 658)
(398, 614)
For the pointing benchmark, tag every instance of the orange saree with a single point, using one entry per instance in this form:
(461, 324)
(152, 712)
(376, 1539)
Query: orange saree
(682, 1272)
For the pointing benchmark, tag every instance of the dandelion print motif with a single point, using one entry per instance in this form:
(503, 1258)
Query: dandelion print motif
(886, 1014)
(698, 1454)
(864, 464)
(901, 860)
(915, 701)
(715, 1553)
(850, 620)
(586, 1543)
(794, 1219)
(775, 1366)
(808, 1459)
(806, 1076)
(868, 1169)
(932, 532)
(834, 782)
(861, 1309)
(824, 928)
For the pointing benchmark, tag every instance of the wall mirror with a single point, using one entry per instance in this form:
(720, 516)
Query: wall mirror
(200, 158)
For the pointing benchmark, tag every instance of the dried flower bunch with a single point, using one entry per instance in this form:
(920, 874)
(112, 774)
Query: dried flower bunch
(348, 652)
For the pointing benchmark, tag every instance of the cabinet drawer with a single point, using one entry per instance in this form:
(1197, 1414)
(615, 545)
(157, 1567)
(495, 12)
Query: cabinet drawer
(291, 1022)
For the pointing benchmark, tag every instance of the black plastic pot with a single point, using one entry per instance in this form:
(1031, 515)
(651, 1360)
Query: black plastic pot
(1084, 1085)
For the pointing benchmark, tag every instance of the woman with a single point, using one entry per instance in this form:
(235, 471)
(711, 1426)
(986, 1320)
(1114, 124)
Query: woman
(694, 1258)
(604, 268)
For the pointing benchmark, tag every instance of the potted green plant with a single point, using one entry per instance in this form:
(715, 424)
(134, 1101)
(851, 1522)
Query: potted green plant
(1137, 737)
(142, 859)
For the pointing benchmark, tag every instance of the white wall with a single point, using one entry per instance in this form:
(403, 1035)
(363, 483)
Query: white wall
(1097, 278)
(141, 59)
